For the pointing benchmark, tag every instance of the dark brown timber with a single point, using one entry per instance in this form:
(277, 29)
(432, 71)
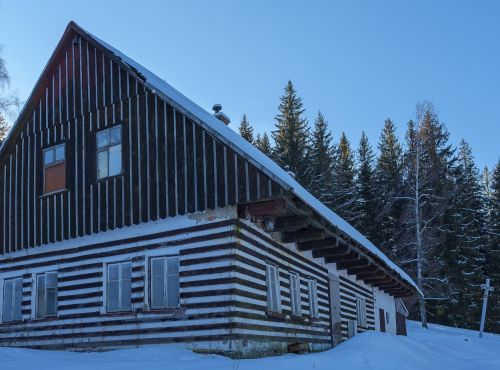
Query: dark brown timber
(302, 236)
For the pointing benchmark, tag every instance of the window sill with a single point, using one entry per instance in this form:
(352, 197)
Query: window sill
(166, 311)
(104, 179)
(297, 318)
(57, 192)
(276, 314)
(314, 319)
(117, 314)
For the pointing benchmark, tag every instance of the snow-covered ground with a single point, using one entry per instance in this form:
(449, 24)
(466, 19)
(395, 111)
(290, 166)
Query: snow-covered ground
(438, 348)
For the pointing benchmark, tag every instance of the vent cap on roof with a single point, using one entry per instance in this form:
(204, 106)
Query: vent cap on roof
(219, 115)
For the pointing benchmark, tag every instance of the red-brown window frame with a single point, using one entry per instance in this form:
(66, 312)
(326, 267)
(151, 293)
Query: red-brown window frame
(54, 172)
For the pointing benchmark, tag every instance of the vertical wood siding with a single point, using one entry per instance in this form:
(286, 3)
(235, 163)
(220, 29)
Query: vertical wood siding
(170, 165)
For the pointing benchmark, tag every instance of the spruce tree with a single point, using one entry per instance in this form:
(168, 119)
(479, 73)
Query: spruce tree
(246, 130)
(492, 258)
(291, 136)
(388, 176)
(344, 187)
(321, 158)
(464, 247)
(366, 199)
(263, 144)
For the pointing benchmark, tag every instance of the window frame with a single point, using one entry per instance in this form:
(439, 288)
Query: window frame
(312, 288)
(53, 163)
(41, 310)
(13, 300)
(165, 275)
(120, 281)
(295, 297)
(106, 148)
(361, 312)
(273, 270)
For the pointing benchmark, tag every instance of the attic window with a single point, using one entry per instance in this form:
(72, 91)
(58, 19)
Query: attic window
(109, 152)
(54, 161)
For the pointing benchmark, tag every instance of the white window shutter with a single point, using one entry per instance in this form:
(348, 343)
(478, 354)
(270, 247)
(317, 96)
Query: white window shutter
(158, 283)
(126, 286)
(8, 292)
(40, 296)
(113, 287)
(173, 282)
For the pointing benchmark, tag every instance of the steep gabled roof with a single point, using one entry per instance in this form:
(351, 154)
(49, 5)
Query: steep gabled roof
(215, 127)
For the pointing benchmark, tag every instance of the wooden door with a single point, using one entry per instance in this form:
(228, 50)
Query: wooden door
(381, 315)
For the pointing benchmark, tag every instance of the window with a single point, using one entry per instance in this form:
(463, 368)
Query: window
(361, 312)
(295, 294)
(313, 298)
(387, 317)
(12, 299)
(54, 162)
(46, 295)
(273, 288)
(120, 287)
(109, 152)
(164, 282)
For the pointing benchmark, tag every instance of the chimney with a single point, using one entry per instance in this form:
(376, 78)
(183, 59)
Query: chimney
(218, 114)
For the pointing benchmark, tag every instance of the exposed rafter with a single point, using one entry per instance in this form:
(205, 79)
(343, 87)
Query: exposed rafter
(318, 244)
(302, 236)
(289, 223)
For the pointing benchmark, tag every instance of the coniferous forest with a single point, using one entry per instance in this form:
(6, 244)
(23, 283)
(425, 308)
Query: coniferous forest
(421, 201)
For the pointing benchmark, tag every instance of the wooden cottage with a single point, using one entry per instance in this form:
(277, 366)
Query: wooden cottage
(130, 216)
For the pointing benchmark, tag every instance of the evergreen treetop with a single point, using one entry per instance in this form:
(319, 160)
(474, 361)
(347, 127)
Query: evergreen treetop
(291, 135)
(246, 130)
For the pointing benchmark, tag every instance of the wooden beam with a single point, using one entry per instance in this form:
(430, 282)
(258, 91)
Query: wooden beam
(291, 223)
(357, 270)
(404, 295)
(383, 285)
(395, 291)
(302, 236)
(331, 252)
(383, 279)
(352, 264)
(342, 258)
(370, 275)
(317, 244)
(275, 207)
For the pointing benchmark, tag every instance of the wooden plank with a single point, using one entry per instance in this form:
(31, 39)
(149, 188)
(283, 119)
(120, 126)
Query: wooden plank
(342, 258)
(319, 244)
(152, 153)
(200, 173)
(354, 271)
(209, 175)
(275, 207)
(355, 263)
(332, 252)
(220, 173)
(290, 223)
(181, 168)
(370, 275)
(302, 236)
(383, 279)
(190, 167)
(385, 285)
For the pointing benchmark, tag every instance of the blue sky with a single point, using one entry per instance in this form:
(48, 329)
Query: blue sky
(359, 62)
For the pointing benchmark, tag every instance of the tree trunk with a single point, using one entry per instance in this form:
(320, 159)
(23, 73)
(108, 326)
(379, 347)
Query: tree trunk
(421, 300)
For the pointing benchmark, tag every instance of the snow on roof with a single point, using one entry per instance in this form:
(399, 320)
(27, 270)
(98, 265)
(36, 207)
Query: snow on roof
(254, 155)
